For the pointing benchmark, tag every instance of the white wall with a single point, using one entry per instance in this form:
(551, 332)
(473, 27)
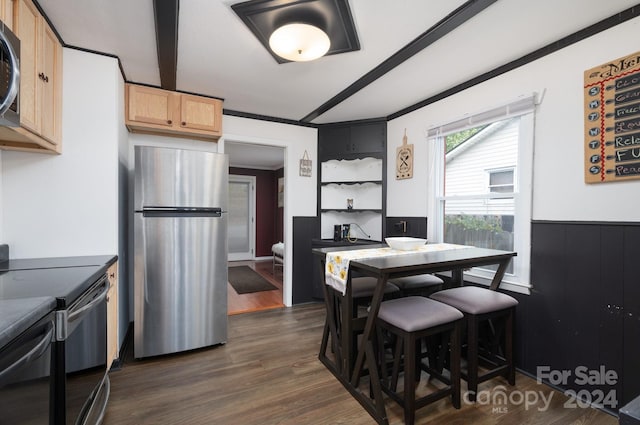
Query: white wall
(559, 189)
(65, 205)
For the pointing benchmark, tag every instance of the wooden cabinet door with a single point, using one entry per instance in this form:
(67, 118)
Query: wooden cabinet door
(333, 142)
(6, 13)
(27, 28)
(200, 113)
(112, 314)
(368, 138)
(51, 85)
(151, 106)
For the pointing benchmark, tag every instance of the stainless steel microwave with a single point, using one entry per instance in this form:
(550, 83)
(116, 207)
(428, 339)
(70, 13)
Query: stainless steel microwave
(9, 77)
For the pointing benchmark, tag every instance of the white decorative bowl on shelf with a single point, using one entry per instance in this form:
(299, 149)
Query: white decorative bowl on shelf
(405, 243)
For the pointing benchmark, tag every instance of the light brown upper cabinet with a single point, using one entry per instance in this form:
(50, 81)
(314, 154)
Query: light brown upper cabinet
(40, 84)
(153, 110)
(6, 13)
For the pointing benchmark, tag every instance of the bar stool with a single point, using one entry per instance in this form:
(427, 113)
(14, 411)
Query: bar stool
(481, 305)
(422, 284)
(409, 320)
(362, 289)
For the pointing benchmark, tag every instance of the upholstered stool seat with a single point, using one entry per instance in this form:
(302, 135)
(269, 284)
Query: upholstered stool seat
(480, 305)
(422, 284)
(410, 319)
(363, 287)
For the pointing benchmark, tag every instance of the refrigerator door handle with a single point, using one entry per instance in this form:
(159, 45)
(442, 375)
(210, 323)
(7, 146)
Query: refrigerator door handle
(181, 211)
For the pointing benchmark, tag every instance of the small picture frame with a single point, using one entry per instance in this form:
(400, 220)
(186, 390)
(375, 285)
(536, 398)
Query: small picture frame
(305, 165)
(280, 192)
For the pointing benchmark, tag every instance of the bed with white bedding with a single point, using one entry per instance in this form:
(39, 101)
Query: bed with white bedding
(278, 255)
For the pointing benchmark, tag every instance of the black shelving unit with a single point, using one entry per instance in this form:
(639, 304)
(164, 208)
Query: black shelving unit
(351, 141)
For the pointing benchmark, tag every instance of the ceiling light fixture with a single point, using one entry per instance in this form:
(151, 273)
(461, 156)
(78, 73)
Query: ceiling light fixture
(299, 42)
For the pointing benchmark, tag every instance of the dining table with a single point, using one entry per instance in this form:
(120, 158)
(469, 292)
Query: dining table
(340, 352)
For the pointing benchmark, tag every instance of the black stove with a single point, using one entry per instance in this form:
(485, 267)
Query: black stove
(64, 283)
(77, 356)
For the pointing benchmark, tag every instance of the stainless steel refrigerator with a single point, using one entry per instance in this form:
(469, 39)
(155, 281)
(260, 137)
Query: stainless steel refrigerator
(180, 248)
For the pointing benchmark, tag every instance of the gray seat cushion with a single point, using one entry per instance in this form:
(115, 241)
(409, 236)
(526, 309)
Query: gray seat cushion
(417, 313)
(474, 300)
(364, 286)
(417, 281)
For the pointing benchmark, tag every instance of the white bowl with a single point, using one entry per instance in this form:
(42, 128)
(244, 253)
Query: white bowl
(405, 243)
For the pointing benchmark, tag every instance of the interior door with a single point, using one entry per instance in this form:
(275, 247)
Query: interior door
(242, 223)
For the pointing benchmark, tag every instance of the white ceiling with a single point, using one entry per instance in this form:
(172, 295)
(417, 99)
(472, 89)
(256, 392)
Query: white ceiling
(219, 56)
(246, 155)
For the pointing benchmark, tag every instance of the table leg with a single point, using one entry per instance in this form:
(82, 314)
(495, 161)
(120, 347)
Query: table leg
(457, 278)
(330, 330)
(348, 346)
(497, 278)
(376, 408)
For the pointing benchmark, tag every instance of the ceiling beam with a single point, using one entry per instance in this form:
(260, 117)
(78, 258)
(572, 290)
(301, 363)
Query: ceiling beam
(598, 27)
(166, 19)
(456, 18)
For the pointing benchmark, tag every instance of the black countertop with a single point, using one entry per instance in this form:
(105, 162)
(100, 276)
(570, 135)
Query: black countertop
(56, 262)
(16, 315)
(63, 283)
(30, 288)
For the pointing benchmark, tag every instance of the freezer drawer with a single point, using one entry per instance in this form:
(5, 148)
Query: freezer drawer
(180, 283)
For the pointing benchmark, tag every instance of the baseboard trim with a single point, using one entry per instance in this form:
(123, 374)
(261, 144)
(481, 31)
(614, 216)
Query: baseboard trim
(124, 349)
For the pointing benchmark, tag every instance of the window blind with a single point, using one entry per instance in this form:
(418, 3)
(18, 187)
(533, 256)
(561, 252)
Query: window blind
(519, 107)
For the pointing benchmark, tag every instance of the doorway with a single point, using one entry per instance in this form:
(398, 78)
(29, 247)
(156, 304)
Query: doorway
(242, 222)
(265, 163)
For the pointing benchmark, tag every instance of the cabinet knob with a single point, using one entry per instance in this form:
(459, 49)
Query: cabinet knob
(112, 275)
(43, 77)
(184, 123)
(168, 121)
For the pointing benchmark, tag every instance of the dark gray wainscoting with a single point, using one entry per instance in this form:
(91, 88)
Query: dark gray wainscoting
(584, 309)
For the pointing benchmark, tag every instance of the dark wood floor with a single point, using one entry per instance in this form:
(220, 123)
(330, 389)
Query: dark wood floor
(256, 301)
(268, 373)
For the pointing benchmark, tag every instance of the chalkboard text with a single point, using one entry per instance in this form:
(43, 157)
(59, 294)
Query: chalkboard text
(628, 169)
(627, 125)
(611, 69)
(623, 155)
(627, 96)
(624, 111)
(627, 140)
(628, 81)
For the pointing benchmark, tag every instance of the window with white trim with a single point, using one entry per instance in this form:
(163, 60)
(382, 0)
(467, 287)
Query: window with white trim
(483, 186)
(501, 181)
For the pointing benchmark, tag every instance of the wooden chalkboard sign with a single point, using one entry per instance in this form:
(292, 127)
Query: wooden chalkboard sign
(612, 121)
(404, 159)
